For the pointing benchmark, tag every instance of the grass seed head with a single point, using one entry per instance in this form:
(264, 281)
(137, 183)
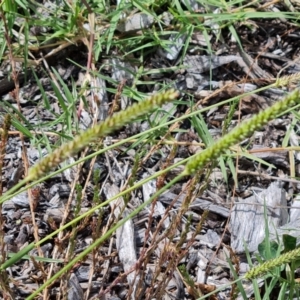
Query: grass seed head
(102, 129)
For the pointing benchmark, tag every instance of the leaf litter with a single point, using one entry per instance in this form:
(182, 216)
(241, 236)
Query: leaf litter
(162, 253)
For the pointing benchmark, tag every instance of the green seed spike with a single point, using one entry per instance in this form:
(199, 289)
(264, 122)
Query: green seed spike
(100, 130)
(240, 132)
(272, 263)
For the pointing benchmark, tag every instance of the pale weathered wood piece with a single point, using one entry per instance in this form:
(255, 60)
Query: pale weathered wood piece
(247, 221)
(292, 227)
(125, 237)
(135, 22)
(149, 188)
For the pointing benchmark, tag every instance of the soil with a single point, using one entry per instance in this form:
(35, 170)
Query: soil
(148, 257)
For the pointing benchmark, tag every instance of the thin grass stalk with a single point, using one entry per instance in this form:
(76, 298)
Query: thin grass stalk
(235, 136)
(100, 130)
(17, 188)
(98, 242)
(3, 142)
(21, 253)
(196, 162)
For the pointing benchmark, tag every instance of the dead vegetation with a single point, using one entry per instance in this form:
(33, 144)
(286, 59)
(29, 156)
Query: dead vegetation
(62, 76)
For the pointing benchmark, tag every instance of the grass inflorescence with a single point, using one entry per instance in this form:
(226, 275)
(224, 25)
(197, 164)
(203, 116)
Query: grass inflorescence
(97, 27)
(240, 132)
(109, 125)
(269, 265)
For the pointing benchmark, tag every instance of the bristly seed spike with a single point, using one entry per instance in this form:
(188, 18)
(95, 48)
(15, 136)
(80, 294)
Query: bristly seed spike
(240, 132)
(100, 130)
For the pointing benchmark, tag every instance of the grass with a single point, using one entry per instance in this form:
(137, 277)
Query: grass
(93, 28)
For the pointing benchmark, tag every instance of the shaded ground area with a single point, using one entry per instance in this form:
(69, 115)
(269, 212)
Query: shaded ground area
(177, 247)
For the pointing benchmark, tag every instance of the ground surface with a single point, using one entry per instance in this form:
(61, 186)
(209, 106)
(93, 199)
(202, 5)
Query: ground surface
(176, 247)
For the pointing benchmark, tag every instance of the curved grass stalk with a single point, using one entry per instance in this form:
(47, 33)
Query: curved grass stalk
(103, 238)
(18, 256)
(16, 189)
(240, 132)
(100, 130)
(84, 138)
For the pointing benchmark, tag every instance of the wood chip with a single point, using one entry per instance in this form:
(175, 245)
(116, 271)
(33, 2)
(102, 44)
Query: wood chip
(247, 221)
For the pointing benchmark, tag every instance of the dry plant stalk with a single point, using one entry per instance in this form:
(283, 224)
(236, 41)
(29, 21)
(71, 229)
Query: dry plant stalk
(4, 137)
(236, 263)
(4, 280)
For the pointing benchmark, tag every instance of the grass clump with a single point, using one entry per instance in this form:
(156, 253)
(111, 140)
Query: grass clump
(98, 27)
(194, 164)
